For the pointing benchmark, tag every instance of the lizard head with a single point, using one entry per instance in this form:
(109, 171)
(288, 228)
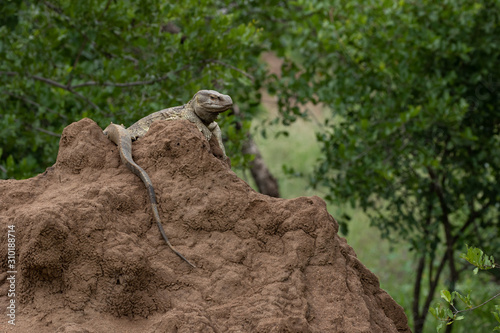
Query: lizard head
(207, 104)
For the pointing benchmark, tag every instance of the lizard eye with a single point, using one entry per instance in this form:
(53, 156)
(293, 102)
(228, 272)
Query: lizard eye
(213, 98)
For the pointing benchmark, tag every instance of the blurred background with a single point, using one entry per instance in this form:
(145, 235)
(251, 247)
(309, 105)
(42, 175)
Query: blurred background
(388, 110)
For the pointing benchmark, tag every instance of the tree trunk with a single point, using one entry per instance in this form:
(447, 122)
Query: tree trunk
(418, 319)
(265, 181)
(439, 189)
(420, 316)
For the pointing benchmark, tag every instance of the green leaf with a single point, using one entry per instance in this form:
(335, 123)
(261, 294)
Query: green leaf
(497, 313)
(465, 299)
(478, 258)
(445, 294)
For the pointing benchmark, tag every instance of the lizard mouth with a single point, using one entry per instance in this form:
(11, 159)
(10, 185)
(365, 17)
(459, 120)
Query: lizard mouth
(218, 107)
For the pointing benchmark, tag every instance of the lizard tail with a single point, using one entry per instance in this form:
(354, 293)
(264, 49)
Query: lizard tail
(147, 181)
(152, 197)
(160, 226)
(121, 137)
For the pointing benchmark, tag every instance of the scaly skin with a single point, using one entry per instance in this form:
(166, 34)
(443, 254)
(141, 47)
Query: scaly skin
(121, 137)
(202, 110)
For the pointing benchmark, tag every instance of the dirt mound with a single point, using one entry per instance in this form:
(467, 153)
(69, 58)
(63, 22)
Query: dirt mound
(90, 258)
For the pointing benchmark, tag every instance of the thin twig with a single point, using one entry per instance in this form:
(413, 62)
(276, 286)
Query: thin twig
(251, 77)
(94, 83)
(8, 73)
(58, 11)
(472, 217)
(53, 7)
(47, 132)
(478, 306)
(134, 60)
(49, 81)
(130, 84)
(55, 84)
(77, 59)
(105, 9)
(62, 86)
(29, 101)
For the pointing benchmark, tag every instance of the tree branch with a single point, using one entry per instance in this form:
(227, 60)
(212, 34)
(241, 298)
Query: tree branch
(417, 317)
(47, 132)
(215, 61)
(105, 9)
(434, 284)
(54, 8)
(62, 86)
(29, 101)
(68, 84)
(472, 217)
(478, 306)
(55, 84)
(450, 239)
(49, 81)
(130, 84)
(8, 73)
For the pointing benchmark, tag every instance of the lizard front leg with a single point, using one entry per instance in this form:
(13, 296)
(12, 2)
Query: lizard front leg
(215, 129)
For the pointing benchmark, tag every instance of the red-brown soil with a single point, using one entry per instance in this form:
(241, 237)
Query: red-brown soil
(90, 258)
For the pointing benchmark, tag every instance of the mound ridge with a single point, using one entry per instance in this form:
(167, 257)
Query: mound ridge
(90, 258)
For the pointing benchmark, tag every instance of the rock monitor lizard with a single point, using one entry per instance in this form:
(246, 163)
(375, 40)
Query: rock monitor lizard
(202, 110)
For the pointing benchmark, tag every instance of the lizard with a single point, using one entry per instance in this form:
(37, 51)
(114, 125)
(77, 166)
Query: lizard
(202, 110)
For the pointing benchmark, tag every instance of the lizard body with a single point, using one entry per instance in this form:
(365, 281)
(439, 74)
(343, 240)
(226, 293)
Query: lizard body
(202, 110)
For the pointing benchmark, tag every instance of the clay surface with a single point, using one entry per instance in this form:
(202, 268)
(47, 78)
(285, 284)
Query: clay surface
(90, 258)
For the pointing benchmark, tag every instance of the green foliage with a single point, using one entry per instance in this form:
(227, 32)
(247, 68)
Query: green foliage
(448, 314)
(414, 133)
(496, 313)
(113, 61)
(413, 87)
(477, 258)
